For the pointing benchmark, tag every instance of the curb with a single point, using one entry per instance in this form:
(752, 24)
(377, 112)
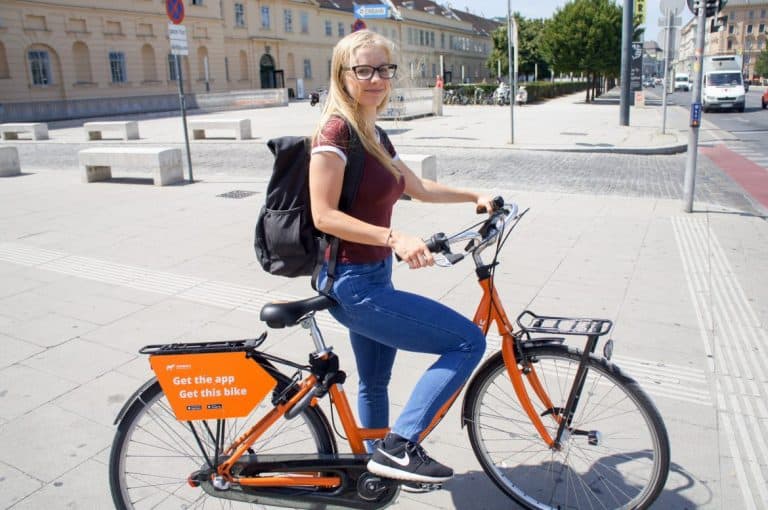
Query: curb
(640, 151)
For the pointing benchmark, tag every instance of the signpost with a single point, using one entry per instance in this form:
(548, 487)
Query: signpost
(177, 33)
(670, 21)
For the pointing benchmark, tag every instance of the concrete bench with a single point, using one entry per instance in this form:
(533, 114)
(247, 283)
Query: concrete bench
(240, 127)
(423, 165)
(38, 130)
(128, 129)
(163, 162)
(9, 161)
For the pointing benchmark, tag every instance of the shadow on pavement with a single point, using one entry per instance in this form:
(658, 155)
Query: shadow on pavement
(475, 491)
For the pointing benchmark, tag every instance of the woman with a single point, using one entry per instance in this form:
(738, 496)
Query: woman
(381, 319)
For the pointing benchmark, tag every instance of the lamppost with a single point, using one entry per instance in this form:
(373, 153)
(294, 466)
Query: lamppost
(512, 68)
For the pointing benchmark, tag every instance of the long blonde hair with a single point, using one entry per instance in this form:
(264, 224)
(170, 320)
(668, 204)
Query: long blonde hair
(341, 104)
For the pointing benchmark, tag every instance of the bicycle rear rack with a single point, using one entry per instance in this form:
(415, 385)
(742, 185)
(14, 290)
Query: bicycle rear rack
(529, 323)
(247, 344)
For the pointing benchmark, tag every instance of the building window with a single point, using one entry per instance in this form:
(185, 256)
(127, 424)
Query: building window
(4, 69)
(341, 29)
(304, 18)
(226, 68)
(442, 40)
(761, 28)
(172, 74)
(287, 20)
(730, 45)
(307, 69)
(749, 29)
(328, 28)
(197, 2)
(762, 13)
(40, 67)
(117, 66)
(265, 18)
(730, 29)
(239, 15)
(751, 14)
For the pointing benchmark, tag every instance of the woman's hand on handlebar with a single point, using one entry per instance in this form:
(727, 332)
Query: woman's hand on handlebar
(412, 250)
(485, 204)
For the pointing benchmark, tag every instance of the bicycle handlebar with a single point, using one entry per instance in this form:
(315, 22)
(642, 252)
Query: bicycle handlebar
(478, 240)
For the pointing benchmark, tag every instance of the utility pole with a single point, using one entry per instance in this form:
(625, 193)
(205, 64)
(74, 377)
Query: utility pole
(667, 38)
(693, 132)
(626, 61)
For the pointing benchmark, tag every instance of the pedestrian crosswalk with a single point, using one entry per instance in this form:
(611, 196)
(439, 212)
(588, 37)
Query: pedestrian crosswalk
(753, 150)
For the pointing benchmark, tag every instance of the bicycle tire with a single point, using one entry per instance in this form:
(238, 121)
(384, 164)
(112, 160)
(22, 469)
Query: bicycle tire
(626, 469)
(153, 454)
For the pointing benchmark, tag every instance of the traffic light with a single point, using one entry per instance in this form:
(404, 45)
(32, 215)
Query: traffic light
(712, 6)
(718, 24)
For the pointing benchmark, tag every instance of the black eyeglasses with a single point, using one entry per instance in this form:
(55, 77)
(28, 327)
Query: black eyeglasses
(363, 72)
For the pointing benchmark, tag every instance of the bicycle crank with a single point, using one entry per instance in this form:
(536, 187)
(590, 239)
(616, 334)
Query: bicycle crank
(357, 489)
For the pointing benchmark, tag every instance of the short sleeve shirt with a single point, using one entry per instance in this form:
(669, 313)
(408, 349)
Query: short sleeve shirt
(376, 196)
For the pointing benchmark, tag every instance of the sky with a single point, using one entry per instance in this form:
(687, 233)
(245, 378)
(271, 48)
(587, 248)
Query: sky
(546, 8)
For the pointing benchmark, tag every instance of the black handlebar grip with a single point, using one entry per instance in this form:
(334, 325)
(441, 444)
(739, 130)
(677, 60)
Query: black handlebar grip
(436, 243)
(497, 202)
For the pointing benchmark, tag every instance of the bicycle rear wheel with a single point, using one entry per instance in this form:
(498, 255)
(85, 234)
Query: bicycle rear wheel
(153, 454)
(614, 456)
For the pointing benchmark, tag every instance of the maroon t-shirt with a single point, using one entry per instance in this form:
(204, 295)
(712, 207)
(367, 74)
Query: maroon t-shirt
(376, 196)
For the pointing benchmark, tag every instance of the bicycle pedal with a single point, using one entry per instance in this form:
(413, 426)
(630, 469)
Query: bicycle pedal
(420, 487)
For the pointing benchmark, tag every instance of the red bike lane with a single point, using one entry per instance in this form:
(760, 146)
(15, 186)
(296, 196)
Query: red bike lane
(749, 175)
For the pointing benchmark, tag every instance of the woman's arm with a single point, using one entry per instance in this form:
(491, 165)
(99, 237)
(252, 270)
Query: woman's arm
(326, 177)
(428, 190)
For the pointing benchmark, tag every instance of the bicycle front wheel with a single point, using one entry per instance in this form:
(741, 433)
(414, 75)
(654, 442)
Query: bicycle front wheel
(615, 454)
(153, 454)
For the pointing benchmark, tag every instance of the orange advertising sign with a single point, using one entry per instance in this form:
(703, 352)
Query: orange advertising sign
(211, 385)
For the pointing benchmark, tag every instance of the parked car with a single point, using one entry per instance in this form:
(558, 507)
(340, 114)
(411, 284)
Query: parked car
(649, 84)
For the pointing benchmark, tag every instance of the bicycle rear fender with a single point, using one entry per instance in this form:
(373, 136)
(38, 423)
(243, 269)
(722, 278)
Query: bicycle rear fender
(133, 398)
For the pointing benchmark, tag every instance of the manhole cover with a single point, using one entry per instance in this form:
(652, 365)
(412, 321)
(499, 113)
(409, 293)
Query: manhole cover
(238, 193)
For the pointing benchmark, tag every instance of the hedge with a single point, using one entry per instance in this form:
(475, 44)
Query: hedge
(537, 90)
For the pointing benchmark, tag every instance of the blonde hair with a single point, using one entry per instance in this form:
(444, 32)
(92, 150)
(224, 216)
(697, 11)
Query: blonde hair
(340, 103)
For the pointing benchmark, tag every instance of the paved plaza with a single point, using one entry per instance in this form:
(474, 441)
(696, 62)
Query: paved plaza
(91, 272)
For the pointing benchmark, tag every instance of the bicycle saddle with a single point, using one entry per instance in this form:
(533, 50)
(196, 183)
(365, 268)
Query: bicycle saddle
(282, 315)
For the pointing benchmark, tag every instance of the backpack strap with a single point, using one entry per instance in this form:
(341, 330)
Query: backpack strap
(353, 173)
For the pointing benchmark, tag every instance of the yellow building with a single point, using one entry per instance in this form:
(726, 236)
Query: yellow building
(74, 58)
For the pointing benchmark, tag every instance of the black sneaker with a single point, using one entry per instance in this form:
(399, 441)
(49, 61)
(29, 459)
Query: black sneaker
(397, 458)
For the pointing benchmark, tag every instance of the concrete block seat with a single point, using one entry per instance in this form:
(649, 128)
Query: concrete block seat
(164, 163)
(9, 161)
(241, 128)
(127, 129)
(11, 130)
(423, 165)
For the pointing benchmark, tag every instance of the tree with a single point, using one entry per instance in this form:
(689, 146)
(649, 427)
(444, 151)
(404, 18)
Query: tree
(529, 52)
(585, 37)
(761, 65)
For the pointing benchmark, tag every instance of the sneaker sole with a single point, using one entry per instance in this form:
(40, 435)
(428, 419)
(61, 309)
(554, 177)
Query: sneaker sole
(398, 474)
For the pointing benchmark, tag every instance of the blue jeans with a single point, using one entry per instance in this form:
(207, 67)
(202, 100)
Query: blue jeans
(382, 320)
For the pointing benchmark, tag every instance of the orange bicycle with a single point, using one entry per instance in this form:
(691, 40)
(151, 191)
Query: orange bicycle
(553, 426)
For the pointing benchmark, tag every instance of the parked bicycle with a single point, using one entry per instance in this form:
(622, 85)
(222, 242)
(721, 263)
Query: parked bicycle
(552, 425)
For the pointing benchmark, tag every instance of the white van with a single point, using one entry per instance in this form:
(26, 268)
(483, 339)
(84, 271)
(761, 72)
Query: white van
(723, 84)
(682, 82)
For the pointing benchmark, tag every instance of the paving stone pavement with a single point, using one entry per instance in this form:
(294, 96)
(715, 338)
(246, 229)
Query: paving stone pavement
(92, 272)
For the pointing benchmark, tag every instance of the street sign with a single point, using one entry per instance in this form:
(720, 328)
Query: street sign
(671, 5)
(639, 9)
(175, 11)
(371, 11)
(178, 36)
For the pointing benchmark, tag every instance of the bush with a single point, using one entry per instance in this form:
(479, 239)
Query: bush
(537, 90)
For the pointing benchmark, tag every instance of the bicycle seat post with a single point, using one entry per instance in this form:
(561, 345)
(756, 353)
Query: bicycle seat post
(309, 322)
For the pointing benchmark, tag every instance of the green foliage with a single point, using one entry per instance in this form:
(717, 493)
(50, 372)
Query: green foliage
(585, 37)
(529, 54)
(761, 65)
(537, 90)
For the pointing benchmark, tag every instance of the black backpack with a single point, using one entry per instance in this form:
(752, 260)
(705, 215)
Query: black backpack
(287, 242)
